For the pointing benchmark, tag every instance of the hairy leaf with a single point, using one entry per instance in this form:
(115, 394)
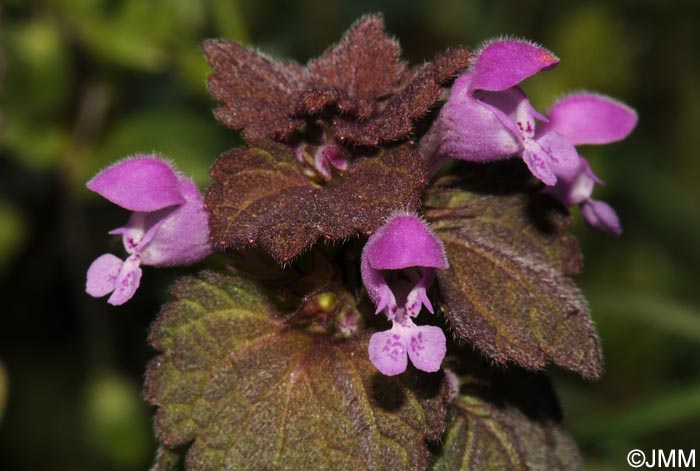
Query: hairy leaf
(511, 424)
(359, 85)
(260, 196)
(246, 391)
(259, 95)
(365, 64)
(396, 120)
(505, 290)
(169, 459)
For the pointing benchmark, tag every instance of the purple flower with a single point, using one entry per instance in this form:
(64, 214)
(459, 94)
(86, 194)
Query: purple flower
(588, 118)
(398, 266)
(488, 117)
(321, 158)
(168, 225)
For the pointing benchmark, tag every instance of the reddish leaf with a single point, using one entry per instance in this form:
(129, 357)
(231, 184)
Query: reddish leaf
(260, 196)
(365, 64)
(505, 291)
(396, 120)
(259, 95)
(360, 83)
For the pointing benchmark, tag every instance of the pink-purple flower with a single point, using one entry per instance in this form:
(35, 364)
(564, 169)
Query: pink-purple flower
(398, 266)
(323, 158)
(168, 226)
(488, 117)
(588, 118)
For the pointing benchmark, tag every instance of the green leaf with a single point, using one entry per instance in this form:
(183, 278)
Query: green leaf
(513, 424)
(246, 391)
(505, 290)
(261, 196)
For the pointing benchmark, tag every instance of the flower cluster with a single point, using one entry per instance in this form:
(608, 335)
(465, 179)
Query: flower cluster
(334, 153)
(488, 117)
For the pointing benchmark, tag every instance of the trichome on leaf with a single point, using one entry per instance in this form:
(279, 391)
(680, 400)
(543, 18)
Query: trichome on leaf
(245, 391)
(346, 202)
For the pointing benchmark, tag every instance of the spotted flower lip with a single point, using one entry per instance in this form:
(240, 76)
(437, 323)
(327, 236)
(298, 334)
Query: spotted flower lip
(588, 118)
(488, 117)
(168, 225)
(423, 344)
(398, 266)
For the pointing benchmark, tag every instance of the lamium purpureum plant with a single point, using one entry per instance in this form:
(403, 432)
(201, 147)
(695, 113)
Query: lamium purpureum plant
(400, 270)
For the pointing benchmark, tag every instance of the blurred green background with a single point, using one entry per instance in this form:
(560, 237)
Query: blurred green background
(86, 82)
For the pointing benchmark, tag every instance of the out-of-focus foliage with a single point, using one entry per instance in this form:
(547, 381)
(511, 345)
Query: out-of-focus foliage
(117, 425)
(12, 234)
(4, 387)
(88, 81)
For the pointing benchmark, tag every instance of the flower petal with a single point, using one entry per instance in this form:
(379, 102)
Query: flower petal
(139, 184)
(180, 237)
(141, 228)
(589, 118)
(537, 162)
(418, 296)
(426, 347)
(102, 275)
(602, 216)
(503, 63)
(513, 109)
(563, 156)
(378, 288)
(574, 186)
(127, 282)
(404, 241)
(387, 350)
(472, 128)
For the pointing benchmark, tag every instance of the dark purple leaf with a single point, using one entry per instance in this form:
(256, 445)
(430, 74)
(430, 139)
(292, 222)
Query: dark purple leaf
(505, 291)
(261, 197)
(365, 64)
(397, 119)
(259, 95)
